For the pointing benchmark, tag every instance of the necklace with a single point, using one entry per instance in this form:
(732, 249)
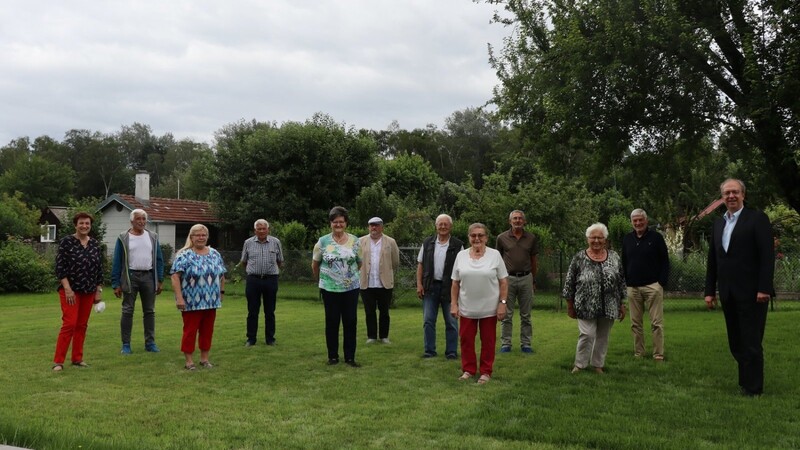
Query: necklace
(340, 240)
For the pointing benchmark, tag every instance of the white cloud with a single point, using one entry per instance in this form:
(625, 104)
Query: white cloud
(190, 67)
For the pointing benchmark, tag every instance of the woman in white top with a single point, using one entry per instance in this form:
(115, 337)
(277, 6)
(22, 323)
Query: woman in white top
(478, 299)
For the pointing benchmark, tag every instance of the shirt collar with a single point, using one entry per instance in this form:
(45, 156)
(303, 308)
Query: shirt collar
(734, 217)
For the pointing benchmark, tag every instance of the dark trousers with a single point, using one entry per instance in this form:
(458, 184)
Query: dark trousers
(382, 299)
(256, 290)
(746, 320)
(341, 307)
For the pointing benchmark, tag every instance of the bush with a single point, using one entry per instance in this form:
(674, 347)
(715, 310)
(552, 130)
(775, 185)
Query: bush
(292, 235)
(24, 270)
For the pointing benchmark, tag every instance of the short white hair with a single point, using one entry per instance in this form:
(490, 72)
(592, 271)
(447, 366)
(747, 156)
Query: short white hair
(260, 221)
(638, 212)
(441, 217)
(597, 226)
(138, 212)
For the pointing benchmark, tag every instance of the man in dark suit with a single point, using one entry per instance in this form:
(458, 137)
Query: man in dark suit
(741, 265)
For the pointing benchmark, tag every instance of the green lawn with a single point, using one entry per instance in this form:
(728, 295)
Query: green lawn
(287, 397)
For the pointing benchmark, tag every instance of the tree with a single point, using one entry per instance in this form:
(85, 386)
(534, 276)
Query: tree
(297, 171)
(411, 178)
(16, 218)
(40, 182)
(589, 81)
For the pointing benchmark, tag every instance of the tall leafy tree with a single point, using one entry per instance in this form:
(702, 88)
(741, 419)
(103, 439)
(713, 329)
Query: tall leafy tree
(16, 217)
(589, 81)
(296, 171)
(40, 182)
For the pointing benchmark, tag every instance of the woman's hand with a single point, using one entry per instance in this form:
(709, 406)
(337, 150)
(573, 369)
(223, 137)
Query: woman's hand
(180, 304)
(571, 310)
(454, 310)
(621, 312)
(502, 310)
(70, 295)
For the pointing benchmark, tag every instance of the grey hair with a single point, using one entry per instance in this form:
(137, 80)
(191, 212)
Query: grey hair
(136, 212)
(443, 217)
(597, 226)
(477, 225)
(260, 221)
(741, 183)
(514, 212)
(638, 212)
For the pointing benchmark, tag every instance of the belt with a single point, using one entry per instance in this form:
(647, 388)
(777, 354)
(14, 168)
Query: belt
(437, 281)
(520, 274)
(141, 271)
(256, 275)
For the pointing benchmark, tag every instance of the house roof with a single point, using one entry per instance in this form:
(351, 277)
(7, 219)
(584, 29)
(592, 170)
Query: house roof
(709, 209)
(161, 209)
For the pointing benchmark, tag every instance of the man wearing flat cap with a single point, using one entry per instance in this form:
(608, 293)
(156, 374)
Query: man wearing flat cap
(381, 259)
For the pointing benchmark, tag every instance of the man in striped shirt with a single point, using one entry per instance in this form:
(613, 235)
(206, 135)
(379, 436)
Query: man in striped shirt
(262, 256)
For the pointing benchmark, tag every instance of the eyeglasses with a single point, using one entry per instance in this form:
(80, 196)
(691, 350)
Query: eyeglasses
(477, 235)
(596, 238)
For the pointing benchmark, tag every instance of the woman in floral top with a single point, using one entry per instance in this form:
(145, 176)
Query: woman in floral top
(595, 293)
(79, 269)
(336, 261)
(198, 280)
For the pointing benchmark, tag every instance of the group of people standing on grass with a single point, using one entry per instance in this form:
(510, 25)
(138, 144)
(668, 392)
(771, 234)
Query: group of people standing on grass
(474, 287)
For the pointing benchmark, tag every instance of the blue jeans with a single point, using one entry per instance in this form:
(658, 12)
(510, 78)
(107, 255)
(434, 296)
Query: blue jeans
(431, 302)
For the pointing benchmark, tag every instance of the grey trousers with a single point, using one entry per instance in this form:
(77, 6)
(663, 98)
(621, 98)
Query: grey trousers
(143, 285)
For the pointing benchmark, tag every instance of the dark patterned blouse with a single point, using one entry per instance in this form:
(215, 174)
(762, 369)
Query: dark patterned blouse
(596, 287)
(82, 266)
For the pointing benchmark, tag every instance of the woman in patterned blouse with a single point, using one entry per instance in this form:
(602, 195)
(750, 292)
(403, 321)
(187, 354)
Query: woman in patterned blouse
(337, 264)
(79, 269)
(198, 280)
(595, 293)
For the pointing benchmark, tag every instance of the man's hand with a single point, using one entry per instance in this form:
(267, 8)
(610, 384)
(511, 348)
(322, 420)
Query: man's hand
(118, 292)
(711, 302)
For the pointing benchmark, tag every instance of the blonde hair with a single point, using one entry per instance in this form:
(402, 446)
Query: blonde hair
(192, 231)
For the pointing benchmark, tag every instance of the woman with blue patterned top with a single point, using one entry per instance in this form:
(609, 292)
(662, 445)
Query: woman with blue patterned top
(336, 262)
(198, 280)
(595, 293)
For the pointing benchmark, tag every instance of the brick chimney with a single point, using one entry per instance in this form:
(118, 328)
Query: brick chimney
(142, 192)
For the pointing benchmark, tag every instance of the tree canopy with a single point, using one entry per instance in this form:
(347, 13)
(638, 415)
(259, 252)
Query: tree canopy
(589, 82)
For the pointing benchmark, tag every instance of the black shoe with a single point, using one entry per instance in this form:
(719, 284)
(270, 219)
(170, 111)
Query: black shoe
(429, 355)
(270, 342)
(352, 363)
(249, 344)
(748, 393)
(333, 361)
(451, 356)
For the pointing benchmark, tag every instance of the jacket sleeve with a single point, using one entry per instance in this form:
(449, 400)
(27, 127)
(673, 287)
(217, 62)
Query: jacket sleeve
(766, 255)
(116, 266)
(159, 262)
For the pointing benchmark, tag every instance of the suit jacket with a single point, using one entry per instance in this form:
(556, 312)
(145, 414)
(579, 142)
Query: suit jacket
(749, 264)
(389, 261)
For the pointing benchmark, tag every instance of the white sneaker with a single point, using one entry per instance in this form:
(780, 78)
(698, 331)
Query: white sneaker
(371, 341)
(386, 341)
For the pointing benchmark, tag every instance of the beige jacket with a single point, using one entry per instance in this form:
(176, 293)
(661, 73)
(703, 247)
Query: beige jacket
(389, 261)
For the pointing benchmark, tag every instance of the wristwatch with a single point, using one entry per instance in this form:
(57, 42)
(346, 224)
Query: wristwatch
(503, 301)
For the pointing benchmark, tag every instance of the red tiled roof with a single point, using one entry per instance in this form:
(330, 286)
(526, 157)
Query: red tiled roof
(709, 209)
(173, 210)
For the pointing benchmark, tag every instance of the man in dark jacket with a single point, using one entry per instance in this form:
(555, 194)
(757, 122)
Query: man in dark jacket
(645, 261)
(434, 268)
(741, 266)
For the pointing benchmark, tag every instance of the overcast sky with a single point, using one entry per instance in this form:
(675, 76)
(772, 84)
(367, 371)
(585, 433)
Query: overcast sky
(190, 67)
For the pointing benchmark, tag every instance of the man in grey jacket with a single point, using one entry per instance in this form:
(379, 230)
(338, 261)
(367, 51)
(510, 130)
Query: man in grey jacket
(138, 269)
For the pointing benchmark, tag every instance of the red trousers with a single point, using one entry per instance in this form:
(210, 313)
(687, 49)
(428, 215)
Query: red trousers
(74, 321)
(195, 322)
(467, 330)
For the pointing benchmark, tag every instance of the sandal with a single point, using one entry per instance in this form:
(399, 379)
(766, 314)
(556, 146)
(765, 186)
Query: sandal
(190, 367)
(80, 364)
(58, 367)
(484, 379)
(206, 364)
(465, 376)
(659, 357)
